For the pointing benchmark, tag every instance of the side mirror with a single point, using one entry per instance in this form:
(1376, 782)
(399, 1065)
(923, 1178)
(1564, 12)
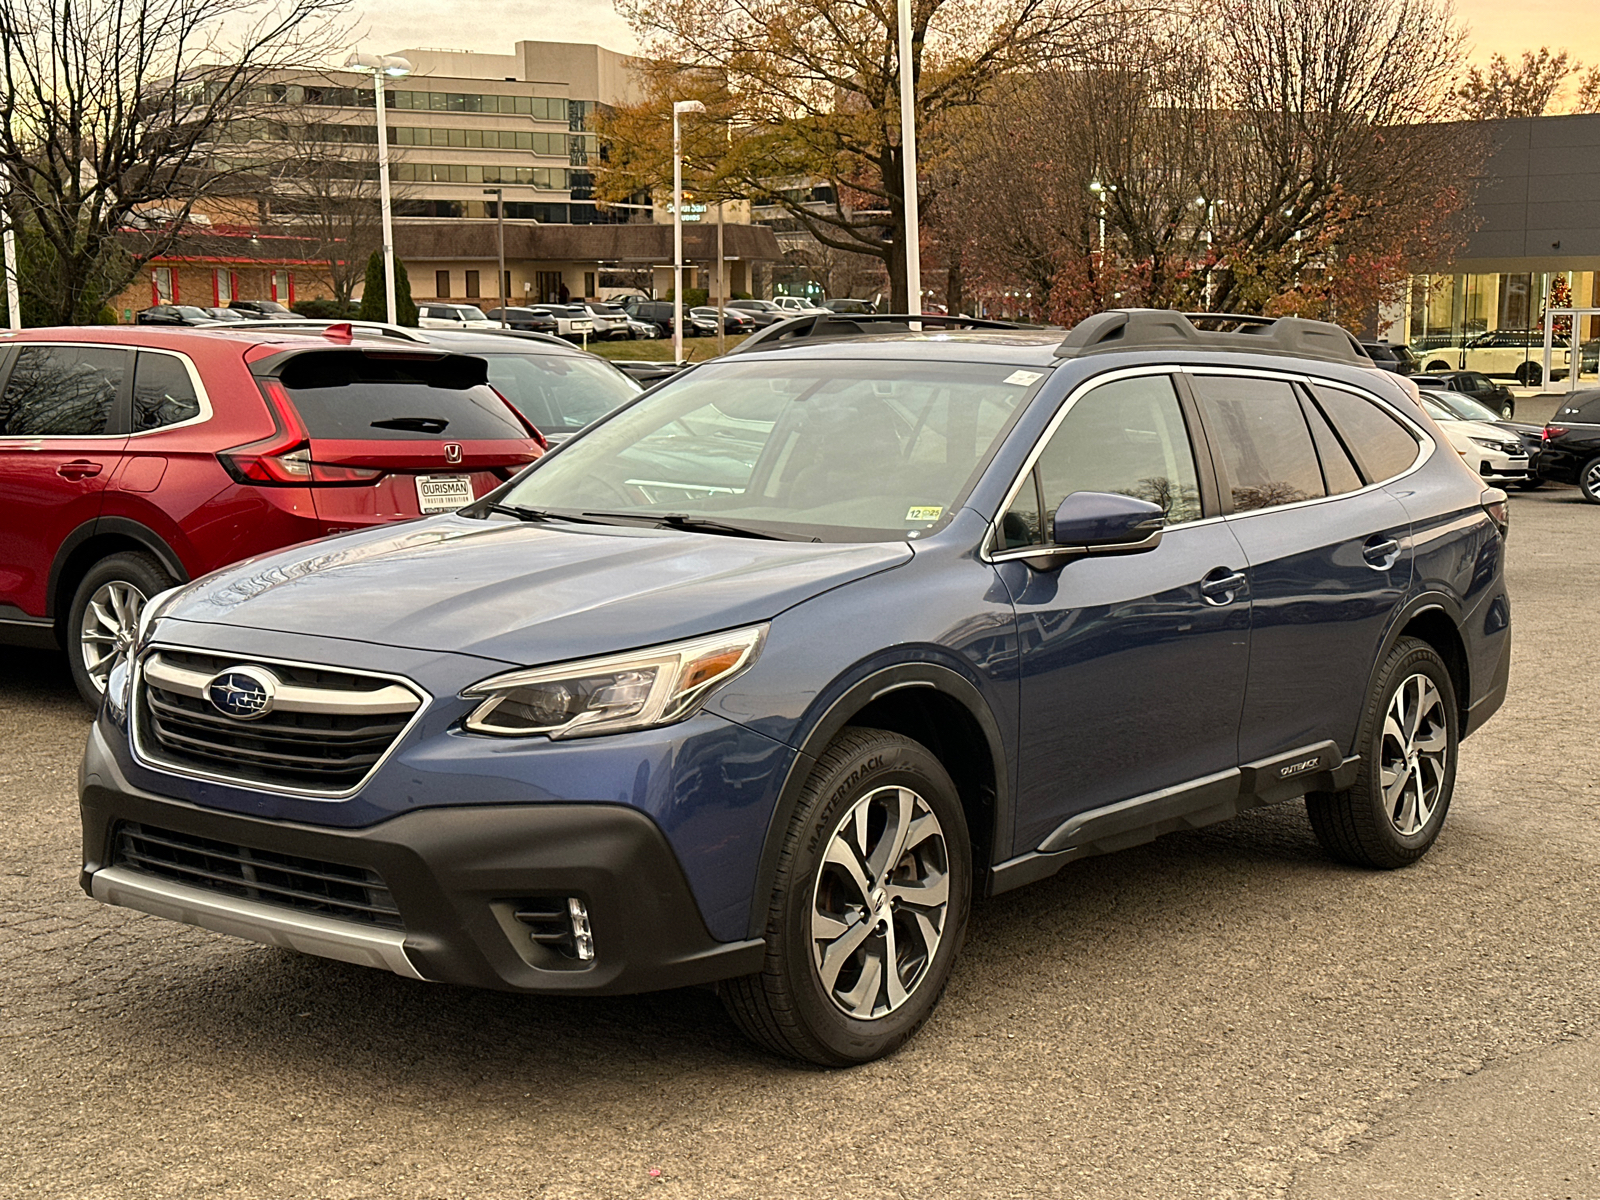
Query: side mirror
(1095, 523)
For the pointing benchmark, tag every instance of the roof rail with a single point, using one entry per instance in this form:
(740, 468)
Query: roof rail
(1157, 328)
(833, 327)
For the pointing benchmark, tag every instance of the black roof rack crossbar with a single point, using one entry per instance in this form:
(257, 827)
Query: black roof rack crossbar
(808, 330)
(1156, 328)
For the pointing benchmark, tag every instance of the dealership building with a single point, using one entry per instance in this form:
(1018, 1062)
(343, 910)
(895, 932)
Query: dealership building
(1536, 244)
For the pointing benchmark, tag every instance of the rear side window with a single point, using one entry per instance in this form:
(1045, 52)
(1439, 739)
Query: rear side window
(1338, 471)
(1382, 446)
(1260, 437)
(62, 391)
(373, 397)
(163, 392)
(1583, 408)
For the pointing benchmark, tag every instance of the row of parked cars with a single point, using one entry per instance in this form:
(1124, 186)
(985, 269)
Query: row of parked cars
(755, 679)
(1514, 354)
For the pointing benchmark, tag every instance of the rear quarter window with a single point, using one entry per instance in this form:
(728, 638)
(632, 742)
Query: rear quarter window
(1382, 446)
(370, 397)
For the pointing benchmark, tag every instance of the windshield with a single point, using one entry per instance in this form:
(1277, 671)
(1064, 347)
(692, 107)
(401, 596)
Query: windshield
(1464, 408)
(837, 451)
(1438, 411)
(559, 393)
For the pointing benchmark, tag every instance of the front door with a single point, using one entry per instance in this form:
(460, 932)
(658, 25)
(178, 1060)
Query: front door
(1132, 668)
(62, 432)
(1329, 560)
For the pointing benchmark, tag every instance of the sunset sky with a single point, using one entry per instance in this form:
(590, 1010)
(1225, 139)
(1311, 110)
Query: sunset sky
(1498, 26)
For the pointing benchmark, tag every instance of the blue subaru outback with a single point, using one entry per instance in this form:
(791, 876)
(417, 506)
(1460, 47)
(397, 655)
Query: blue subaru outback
(759, 680)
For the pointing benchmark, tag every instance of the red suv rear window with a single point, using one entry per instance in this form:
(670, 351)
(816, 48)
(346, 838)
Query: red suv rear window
(353, 395)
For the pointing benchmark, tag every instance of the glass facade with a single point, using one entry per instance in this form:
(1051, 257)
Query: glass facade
(1494, 323)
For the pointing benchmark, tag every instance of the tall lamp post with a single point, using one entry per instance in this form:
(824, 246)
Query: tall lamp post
(679, 107)
(500, 230)
(908, 163)
(383, 66)
(13, 296)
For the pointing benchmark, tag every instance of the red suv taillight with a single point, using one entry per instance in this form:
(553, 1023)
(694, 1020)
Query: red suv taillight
(1551, 432)
(284, 459)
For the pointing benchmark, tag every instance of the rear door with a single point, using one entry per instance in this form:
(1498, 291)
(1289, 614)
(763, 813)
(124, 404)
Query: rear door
(395, 435)
(62, 431)
(1330, 558)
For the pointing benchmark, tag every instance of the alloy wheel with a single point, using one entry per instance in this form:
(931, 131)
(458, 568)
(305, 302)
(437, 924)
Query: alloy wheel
(109, 624)
(880, 904)
(1413, 755)
(1590, 482)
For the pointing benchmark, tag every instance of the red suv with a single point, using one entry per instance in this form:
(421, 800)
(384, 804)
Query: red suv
(134, 459)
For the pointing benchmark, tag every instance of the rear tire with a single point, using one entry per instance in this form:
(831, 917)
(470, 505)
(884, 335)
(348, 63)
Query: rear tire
(1438, 364)
(868, 909)
(1530, 374)
(105, 614)
(1589, 481)
(1407, 741)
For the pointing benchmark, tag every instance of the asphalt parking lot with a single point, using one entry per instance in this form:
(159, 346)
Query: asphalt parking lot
(1224, 1014)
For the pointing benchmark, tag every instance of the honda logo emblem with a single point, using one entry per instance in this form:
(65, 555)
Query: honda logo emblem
(452, 452)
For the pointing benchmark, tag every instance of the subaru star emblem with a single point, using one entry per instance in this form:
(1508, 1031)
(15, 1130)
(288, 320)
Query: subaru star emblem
(243, 693)
(452, 452)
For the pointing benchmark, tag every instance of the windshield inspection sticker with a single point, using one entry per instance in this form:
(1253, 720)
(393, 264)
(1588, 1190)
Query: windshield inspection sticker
(925, 514)
(1023, 378)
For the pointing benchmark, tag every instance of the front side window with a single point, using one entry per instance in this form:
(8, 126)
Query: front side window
(1127, 437)
(62, 391)
(843, 450)
(163, 392)
(1261, 441)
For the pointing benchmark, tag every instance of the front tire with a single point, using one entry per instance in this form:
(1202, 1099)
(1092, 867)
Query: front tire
(1408, 741)
(105, 614)
(868, 909)
(1530, 374)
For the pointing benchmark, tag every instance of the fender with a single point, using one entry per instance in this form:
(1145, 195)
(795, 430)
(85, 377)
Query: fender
(122, 527)
(1428, 601)
(836, 716)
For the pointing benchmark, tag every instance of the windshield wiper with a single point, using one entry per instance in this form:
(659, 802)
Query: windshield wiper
(686, 522)
(413, 424)
(538, 514)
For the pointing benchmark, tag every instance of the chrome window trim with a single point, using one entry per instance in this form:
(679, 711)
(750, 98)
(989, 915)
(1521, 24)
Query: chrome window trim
(40, 440)
(1425, 440)
(154, 763)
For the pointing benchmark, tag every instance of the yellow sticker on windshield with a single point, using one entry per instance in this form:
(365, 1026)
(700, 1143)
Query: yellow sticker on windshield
(925, 514)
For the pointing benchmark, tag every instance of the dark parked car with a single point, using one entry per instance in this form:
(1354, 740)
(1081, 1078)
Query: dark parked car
(175, 314)
(1571, 452)
(136, 458)
(760, 679)
(1494, 396)
(531, 320)
(843, 305)
(646, 373)
(265, 308)
(659, 314)
(1396, 358)
(733, 321)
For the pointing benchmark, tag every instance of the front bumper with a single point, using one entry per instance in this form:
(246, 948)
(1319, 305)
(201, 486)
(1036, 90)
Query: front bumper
(455, 875)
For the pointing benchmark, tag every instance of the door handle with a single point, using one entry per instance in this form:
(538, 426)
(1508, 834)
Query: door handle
(79, 469)
(1220, 586)
(1381, 555)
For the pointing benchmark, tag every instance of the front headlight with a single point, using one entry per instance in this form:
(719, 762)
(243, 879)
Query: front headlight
(1489, 444)
(639, 690)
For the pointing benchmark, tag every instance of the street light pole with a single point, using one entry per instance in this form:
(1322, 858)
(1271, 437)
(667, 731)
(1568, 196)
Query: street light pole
(908, 162)
(679, 107)
(13, 296)
(382, 65)
(500, 231)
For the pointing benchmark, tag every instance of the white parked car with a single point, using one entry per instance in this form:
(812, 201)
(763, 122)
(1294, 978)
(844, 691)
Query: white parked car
(609, 320)
(1510, 354)
(1493, 453)
(799, 306)
(572, 320)
(451, 316)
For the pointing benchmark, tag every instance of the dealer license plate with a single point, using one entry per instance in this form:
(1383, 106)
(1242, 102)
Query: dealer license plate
(443, 493)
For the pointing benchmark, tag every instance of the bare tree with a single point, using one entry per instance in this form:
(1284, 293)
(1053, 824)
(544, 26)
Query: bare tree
(111, 106)
(810, 89)
(1257, 157)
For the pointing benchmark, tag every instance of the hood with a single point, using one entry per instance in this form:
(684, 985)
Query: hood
(1461, 433)
(524, 593)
